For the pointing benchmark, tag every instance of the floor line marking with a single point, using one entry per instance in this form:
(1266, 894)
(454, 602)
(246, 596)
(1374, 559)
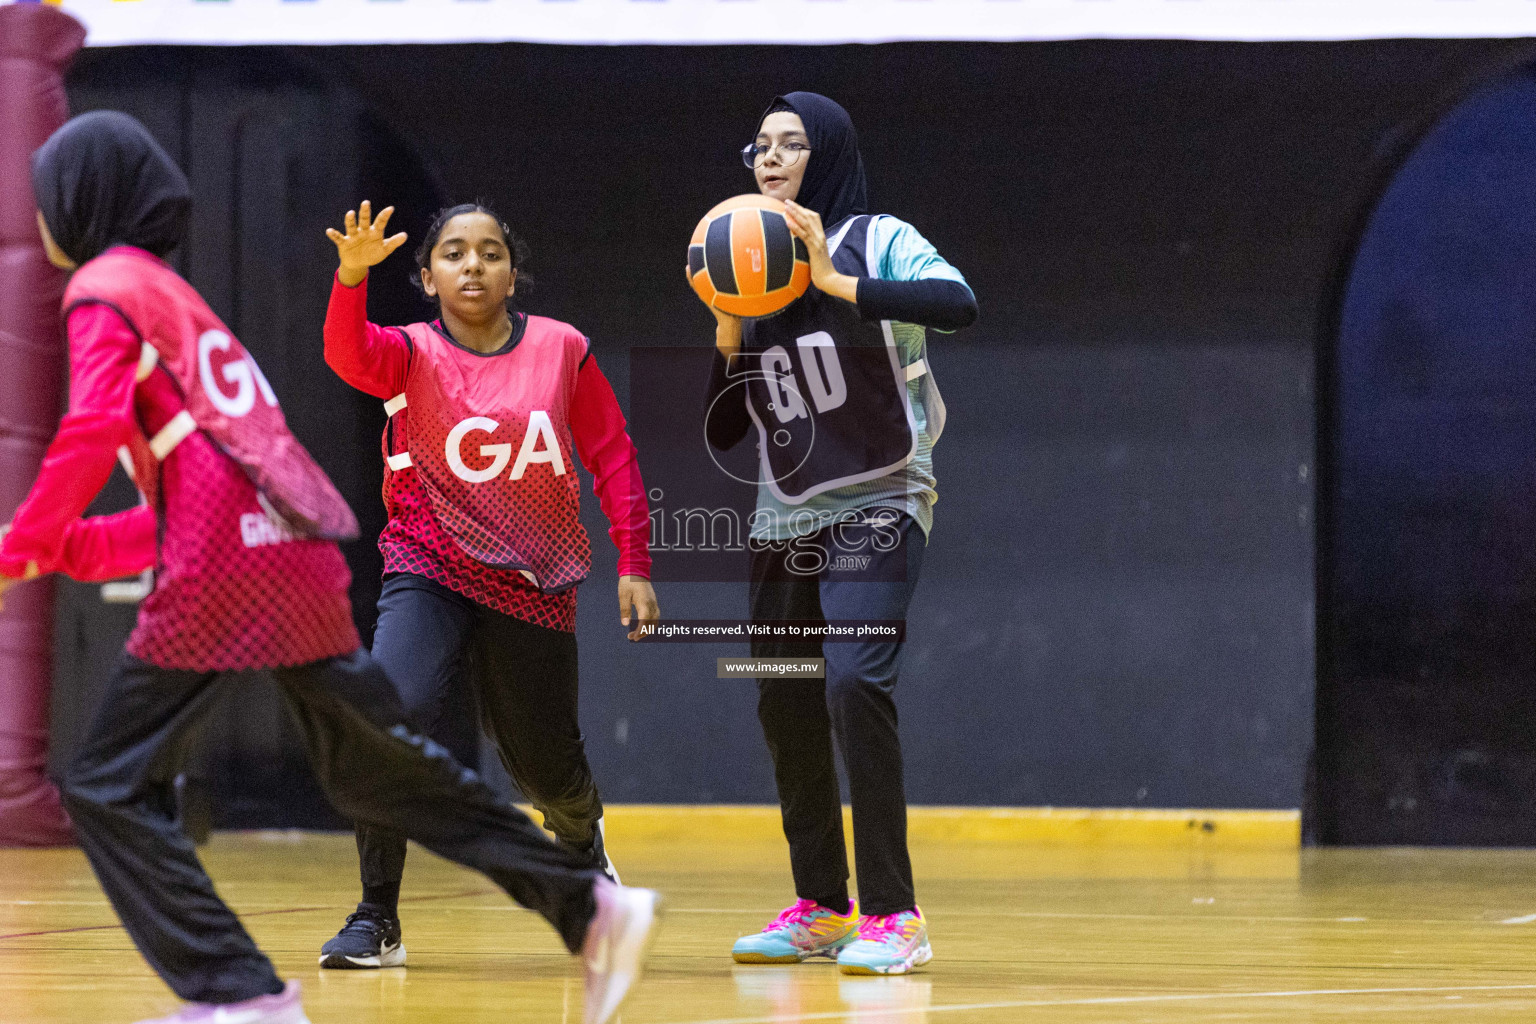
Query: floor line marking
(755, 912)
(253, 913)
(1022, 1004)
(1047, 915)
(1066, 916)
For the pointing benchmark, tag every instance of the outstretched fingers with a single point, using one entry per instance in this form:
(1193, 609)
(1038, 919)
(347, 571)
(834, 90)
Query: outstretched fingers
(393, 242)
(363, 244)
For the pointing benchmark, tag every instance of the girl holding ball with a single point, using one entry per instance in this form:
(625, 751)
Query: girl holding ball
(839, 390)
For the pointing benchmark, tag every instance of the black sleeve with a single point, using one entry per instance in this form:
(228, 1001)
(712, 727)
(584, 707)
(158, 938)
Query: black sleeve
(932, 302)
(726, 422)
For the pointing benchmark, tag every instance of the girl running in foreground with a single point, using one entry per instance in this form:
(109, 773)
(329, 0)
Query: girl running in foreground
(488, 410)
(864, 487)
(248, 577)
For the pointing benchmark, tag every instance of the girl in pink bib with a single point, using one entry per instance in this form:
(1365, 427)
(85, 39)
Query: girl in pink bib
(240, 525)
(489, 410)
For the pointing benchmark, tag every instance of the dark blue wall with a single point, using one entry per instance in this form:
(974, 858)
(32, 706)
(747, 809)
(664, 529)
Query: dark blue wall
(1431, 573)
(1117, 604)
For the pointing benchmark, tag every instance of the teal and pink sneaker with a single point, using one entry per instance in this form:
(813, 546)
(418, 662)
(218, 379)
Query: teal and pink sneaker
(803, 930)
(889, 944)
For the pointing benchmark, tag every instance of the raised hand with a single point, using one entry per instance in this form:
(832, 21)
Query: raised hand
(364, 244)
(806, 225)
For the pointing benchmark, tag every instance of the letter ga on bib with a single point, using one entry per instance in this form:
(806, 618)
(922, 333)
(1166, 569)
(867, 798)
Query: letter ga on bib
(226, 394)
(489, 438)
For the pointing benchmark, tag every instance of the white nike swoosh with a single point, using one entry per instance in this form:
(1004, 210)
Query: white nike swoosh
(603, 961)
(223, 1016)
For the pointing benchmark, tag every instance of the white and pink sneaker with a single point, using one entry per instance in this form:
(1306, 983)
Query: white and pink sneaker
(615, 947)
(284, 1008)
(888, 944)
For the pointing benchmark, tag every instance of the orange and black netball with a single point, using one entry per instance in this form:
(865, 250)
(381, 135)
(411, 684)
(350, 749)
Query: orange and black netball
(743, 260)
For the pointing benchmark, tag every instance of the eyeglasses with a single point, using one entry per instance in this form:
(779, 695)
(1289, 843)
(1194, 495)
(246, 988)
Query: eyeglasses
(789, 152)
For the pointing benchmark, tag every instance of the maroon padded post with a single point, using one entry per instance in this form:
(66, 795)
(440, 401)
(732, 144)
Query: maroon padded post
(37, 42)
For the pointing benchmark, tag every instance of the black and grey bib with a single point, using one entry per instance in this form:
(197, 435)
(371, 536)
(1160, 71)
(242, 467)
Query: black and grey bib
(826, 388)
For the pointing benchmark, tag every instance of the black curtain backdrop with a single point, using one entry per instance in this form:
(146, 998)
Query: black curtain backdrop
(1117, 606)
(272, 147)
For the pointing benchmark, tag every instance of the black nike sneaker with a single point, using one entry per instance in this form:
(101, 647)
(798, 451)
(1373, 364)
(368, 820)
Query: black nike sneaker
(368, 940)
(600, 856)
(595, 853)
(606, 867)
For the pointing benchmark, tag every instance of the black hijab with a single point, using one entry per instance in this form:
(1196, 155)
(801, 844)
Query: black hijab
(102, 180)
(834, 184)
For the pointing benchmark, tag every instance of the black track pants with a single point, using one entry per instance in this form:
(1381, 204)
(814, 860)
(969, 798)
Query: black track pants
(524, 679)
(373, 767)
(856, 704)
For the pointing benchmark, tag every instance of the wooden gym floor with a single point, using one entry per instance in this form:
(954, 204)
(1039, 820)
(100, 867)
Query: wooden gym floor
(1188, 928)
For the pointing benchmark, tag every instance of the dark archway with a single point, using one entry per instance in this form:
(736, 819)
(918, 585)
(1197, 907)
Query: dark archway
(276, 151)
(1426, 706)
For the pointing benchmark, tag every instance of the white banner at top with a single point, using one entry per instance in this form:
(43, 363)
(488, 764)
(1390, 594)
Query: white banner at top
(120, 22)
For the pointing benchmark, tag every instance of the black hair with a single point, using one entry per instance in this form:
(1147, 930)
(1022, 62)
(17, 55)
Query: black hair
(516, 247)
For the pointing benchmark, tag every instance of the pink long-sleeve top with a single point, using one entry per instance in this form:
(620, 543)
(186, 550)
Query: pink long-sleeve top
(376, 360)
(226, 596)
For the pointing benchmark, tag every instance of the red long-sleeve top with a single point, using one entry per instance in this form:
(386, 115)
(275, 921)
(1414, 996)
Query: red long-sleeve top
(220, 601)
(376, 360)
